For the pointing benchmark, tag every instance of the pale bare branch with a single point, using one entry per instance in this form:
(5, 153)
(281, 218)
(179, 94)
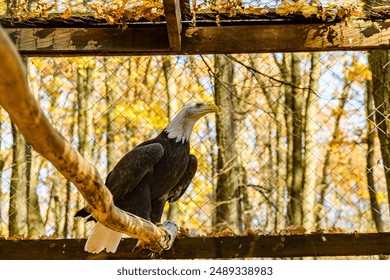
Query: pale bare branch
(26, 113)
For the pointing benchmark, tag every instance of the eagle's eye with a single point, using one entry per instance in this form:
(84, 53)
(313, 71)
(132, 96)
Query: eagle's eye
(198, 105)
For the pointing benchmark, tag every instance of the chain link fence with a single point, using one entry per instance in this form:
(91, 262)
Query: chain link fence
(303, 155)
(297, 119)
(25, 9)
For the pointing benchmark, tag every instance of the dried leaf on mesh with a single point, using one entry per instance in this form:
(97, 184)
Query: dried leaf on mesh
(251, 232)
(290, 7)
(183, 232)
(22, 12)
(67, 13)
(335, 230)
(223, 233)
(45, 8)
(256, 11)
(292, 230)
(19, 237)
(132, 10)
(318, 231)
(50, 237)
(309, 11)
(342, 10)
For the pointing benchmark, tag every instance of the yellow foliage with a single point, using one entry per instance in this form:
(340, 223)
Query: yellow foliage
(117, 13)
(257, 11)
(358, 72)
(381, 197)
(3, 7)
(290, 7)
(342, 9)
(45, 7)
(67, 12)
(308, 11)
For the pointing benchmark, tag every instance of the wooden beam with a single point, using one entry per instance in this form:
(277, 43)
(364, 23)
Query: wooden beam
(142, 39)
(312, 245)
(93, 41)
(174, 25)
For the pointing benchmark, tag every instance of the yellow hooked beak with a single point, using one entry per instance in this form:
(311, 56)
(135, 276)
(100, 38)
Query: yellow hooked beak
(212, 107)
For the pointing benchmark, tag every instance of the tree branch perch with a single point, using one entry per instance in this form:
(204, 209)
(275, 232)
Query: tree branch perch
(26, 113)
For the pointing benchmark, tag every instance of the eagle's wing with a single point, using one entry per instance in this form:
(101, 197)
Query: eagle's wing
(185, 180)
(130, 170)
(175, 193)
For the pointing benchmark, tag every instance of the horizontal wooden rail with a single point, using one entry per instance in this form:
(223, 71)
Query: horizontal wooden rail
(152, 39)
(312, 245)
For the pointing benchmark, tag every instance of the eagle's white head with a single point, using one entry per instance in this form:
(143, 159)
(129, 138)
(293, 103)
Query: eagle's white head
(180, 127)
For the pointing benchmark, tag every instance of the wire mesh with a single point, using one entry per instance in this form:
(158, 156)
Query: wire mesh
(39, 8)
(106, 105)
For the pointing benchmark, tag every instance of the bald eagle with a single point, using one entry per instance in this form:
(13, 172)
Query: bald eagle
(154, 172)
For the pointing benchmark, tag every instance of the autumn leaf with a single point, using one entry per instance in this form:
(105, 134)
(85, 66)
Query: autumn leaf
(117, 14)
(335, 230)
(3, 7)
(293, 229)
(67, 13)
(18, 237)
(222, 233)
(110, 19)
(257, 11)
(183, 232)
(251, 232)
(289, 7)
(358, 13)
(308, 11)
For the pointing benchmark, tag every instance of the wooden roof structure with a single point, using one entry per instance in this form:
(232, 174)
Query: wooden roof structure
(176, 33)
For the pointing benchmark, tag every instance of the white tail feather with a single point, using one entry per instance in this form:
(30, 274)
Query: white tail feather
(113, 240)
(102, 238)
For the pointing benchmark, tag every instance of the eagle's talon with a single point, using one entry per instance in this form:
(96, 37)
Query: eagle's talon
(139, 247)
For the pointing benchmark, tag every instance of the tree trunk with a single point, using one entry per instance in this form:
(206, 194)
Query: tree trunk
(109, 114)
(240, 99)
(56, 209)
(279, 164)
(370, 157)
(380, 68)
(227, 166)
(324, 185)
(84, 132)
(131, 94)
(34, 218)
(67, 230)
(34, 221)
(280, 183)
(285, 69)
(310, 162)
(295, 106)
(17, 205)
